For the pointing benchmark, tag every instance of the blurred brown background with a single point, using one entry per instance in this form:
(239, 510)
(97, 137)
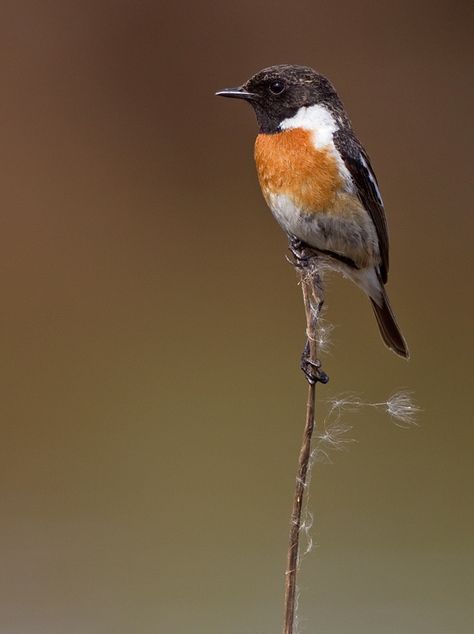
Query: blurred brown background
(152, 405)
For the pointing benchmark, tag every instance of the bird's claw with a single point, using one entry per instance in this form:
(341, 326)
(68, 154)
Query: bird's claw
(301, 252)
(312, 370)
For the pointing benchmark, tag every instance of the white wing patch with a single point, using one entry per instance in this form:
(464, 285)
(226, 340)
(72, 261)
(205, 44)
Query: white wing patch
(372, 179)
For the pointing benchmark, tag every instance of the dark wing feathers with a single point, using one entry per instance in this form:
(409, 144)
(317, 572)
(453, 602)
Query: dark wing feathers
(358, 164)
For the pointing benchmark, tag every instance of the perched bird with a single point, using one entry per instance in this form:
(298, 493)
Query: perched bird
(318, 182)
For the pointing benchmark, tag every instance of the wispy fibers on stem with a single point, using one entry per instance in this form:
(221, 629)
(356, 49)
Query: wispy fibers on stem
(311, 285)
(331, 434)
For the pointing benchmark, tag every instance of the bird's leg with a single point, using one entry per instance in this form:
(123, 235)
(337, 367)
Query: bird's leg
(301, 252)
(305, 261)
(312, 368)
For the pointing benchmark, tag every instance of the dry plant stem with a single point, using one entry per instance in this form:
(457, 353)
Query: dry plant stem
(312, 296)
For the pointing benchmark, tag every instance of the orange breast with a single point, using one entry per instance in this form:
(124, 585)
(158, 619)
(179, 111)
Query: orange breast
(288, 163)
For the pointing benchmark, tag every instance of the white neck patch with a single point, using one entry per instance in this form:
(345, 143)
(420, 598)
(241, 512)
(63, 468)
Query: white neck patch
(318, 120)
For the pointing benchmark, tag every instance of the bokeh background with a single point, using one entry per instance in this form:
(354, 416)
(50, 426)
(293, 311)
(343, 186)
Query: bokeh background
(152, 405)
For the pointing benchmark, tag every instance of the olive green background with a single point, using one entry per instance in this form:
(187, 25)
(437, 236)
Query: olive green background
(152, 405)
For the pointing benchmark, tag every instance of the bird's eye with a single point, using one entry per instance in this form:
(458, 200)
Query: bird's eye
(277, 87)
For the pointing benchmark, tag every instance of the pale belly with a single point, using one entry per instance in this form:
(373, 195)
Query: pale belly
(346, 229)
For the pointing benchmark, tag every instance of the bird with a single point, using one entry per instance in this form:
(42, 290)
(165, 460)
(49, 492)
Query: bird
(317, 180)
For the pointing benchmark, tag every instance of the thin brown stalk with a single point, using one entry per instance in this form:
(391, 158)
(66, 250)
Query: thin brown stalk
(312, 297)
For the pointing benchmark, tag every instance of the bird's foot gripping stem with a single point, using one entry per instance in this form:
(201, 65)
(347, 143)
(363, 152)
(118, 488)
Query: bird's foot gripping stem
(312, 369)
(301, 252)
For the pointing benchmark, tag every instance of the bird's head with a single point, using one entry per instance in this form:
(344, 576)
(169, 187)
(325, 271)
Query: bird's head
(277, 93)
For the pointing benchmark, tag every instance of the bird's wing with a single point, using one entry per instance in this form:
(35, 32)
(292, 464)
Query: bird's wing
(358, 164)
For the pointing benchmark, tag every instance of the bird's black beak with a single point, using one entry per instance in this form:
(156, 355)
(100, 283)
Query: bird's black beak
(237, 93)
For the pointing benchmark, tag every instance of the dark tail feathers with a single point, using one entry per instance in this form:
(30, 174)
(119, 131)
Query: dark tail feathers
(388, 327)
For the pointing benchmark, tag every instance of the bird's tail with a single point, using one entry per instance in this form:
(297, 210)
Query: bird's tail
(389, 329)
